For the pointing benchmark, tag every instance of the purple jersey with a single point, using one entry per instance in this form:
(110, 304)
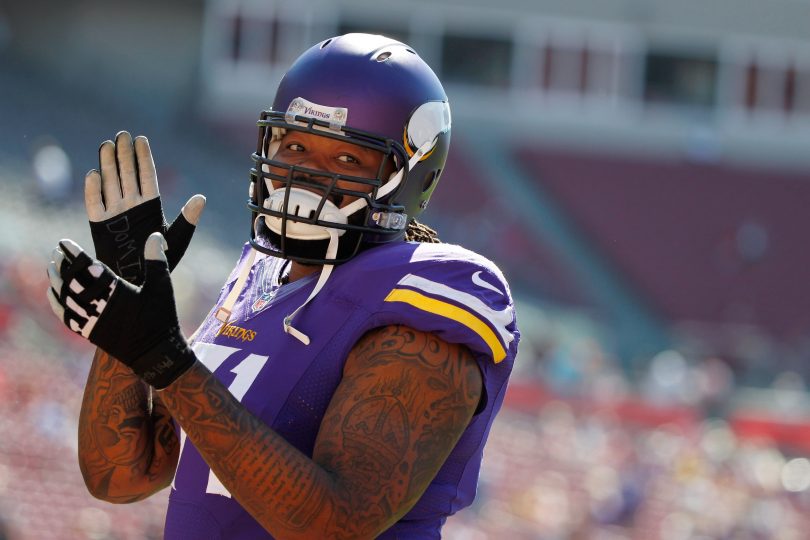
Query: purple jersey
(439, 288)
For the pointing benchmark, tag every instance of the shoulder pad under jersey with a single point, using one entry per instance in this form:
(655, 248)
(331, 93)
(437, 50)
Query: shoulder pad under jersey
(440, 288)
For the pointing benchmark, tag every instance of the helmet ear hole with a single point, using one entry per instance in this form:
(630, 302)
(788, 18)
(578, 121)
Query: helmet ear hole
(430, 179)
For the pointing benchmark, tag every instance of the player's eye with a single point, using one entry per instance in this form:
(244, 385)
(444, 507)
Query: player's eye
(345, 158)
(295, 147)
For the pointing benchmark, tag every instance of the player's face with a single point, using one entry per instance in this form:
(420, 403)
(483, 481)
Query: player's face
(332, 155)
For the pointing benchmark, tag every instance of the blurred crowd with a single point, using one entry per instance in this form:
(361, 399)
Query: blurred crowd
(580, 451)
(43, 368)
(567, 472)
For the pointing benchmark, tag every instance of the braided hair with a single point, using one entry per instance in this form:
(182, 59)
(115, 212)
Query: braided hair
(419, 232)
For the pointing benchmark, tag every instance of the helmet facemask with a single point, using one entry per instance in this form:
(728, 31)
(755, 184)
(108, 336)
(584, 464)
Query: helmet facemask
(296, 218)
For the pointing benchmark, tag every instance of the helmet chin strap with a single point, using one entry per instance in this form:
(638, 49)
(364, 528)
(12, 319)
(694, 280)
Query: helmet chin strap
(224, 312)
(331, 252)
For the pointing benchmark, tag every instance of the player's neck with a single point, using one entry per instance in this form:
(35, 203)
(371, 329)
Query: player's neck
(298, 271)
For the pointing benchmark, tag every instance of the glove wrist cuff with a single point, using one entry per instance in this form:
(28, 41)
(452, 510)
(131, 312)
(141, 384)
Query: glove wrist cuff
(164, 363)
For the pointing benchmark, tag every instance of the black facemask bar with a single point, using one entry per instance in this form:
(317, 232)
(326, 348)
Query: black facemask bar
(325, 187)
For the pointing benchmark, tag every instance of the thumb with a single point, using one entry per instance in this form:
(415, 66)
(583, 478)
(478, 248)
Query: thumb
(157, 288)
(182, 229)
(193, 208)
(156, 247)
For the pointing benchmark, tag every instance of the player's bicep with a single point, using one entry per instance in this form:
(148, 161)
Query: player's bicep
(405, 399)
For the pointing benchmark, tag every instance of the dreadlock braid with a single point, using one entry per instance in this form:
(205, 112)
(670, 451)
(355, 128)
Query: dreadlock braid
(419, 232)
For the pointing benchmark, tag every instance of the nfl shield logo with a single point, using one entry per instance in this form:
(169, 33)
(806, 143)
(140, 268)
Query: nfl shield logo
(262, 301)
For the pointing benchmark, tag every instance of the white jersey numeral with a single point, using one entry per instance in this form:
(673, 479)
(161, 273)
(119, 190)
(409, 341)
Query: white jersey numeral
(246, 372)
(212, 356)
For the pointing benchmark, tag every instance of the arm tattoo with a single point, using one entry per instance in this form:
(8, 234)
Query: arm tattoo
(405, 399)
(277, 484)
(430, 389)
(126, 452)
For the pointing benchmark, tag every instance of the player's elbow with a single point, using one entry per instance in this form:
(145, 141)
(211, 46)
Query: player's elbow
(118, 497)
(90, 482)
(365, 519)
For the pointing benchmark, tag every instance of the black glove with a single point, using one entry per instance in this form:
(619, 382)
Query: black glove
(136, 325)
(123, 203)
(119, 241)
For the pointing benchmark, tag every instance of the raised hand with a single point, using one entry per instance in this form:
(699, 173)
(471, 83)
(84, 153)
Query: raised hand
(123, 204)
(136, 325)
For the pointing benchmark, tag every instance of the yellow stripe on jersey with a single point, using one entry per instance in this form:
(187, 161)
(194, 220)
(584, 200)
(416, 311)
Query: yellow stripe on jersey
(449, 311)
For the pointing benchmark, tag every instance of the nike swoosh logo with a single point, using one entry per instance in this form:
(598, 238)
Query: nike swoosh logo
(478, 280)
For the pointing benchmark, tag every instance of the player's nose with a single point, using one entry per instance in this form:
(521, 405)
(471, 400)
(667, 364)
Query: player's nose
(316, 183)
(312, 159)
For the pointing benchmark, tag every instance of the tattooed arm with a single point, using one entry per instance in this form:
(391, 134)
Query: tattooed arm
(127, 452)
(404, 401)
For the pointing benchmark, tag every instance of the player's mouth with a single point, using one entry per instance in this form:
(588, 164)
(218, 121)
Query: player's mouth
(308, 184)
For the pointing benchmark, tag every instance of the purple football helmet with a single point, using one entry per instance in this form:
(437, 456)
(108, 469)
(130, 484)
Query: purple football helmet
(372, 91)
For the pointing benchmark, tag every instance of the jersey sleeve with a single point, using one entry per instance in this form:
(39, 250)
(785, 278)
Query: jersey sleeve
(459, 301)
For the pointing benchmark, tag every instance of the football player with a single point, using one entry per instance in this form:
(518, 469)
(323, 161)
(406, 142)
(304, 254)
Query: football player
(345, 382)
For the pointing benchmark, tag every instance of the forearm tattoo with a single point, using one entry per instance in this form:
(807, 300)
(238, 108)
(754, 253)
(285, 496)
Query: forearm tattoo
(278, 485)
(126, 451)
(405, 399)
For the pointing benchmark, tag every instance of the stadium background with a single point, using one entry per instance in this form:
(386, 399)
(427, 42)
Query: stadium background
(639, 168)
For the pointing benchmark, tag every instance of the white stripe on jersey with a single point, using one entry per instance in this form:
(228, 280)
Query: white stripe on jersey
(497, 319)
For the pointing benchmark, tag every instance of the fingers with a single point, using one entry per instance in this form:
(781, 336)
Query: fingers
(125, 156)
(156, 247)
(56, 307)
(146, 168)
(193, 209)
(93, 200)
(79, 286)
(54, 277)
(110, 183)
(57, 257)
(126, 177)
(69, 248)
